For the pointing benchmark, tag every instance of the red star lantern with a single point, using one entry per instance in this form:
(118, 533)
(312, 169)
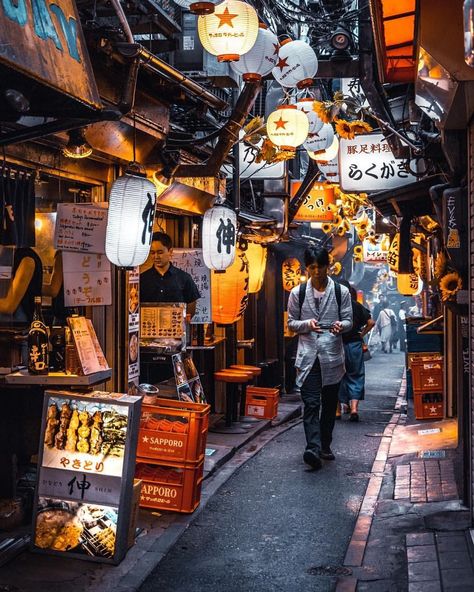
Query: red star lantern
(287, 127)
(297, 64)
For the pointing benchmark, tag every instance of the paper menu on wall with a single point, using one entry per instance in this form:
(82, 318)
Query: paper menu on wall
(191, 261)
(162, 320)
(80, 227)
(87, 345)
(87, 279)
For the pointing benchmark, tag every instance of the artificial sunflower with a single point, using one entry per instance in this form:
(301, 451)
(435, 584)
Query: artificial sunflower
(336, 268)
(341, 230)
(344, 129)
(360, 127)
(449, 285)
(440, 264)
(324, 110)
(357, 258)
(326, 227)
(358, 250)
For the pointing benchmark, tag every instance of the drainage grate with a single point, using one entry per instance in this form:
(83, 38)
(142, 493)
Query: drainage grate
(329, 570)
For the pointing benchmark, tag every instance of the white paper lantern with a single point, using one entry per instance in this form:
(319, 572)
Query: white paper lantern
(261, 59)
(219, 230)
(330, 170)
(328, 154)
(320, 141)
(197, 7)
(287, 127)
(230, 31)
(297, 64)
(306, 105)
(130, 220)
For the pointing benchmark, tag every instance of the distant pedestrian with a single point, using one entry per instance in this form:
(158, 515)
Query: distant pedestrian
(319, 311)
(402, 315)
(352, 389)
(385, 321)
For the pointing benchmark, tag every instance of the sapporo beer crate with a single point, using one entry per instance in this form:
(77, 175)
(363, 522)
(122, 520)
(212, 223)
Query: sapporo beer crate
(171, 486)
(428, 405)
(174, 431)
(261, 402)
(427, 374)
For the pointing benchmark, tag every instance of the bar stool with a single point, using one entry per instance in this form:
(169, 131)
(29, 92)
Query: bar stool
(232, 379)
(237, 416)
(256, 371)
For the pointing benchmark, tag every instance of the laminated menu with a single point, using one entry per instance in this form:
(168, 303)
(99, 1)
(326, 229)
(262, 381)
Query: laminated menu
(87, 345)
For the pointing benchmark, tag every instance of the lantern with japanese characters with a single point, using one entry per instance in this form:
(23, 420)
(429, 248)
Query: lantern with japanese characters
(409, 284)
(230, 31)
(229, 291)
(330, 170)
(130, 220)
(393, 253)
(287, 127)
(320, 141)
(306, 105)
(327, 155)
(261, 59)
(291, 273)
(219, 228)
(206, 7)
(297, 64)
(257, 258)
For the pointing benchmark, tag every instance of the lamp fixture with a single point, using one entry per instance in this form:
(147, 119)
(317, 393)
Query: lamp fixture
(77, 146)
(341, 39)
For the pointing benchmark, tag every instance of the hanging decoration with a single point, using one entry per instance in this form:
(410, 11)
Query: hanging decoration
(419, 256)
(317, 143)
(230, 32)
(291, 273)
(261, 59)
(327, 155)
(393, 253)
(287, 127)
(206, 7)
(219, 228)
(330, 170)
(409, 284)
(130, 220)
(306, 105)
(297, 64)
(229, 291)
(449, 285)
(257, 258)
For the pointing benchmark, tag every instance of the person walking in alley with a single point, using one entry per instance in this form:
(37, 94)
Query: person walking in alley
(352, 389)
(319, 311)
(402, 315)
(386, 322)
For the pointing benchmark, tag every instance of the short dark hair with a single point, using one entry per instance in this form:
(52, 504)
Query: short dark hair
(165, 239)
(317, 255)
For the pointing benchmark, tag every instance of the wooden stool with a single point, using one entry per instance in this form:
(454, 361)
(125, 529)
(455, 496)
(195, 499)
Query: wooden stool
(232, 379)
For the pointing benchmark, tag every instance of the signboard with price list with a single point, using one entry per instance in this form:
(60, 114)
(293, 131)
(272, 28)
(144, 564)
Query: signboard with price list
(85, 474)
(191, 260)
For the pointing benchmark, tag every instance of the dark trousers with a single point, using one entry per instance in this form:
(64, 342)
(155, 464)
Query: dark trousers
(319, 414)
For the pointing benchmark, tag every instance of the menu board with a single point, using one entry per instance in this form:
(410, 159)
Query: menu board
(191, 261)
(85, 478)
(80, 227)
(133, 313)
(87, 345)
(87, 279)
(187, 378)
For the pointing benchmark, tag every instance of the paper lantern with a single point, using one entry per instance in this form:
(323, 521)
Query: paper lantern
(197, 7)
(329, 154)
(229, 291)
(297, 64)
(330, 170)
(409, 284)
(230, 31)
(261, 59)
(257, 258)
(287, 127)
(290, 273)
(130, 220)
(306, 105)
(393, 253)
(317, 143)
(219, 228)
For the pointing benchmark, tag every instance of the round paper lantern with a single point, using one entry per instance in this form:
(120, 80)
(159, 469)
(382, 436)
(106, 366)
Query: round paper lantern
(393, 253)
(261, 59)
(257, 258)
(197, 7)
(230, 31)
(330, 170)
(409, 284)
(130, 220)
(219, 227)
(287, 127)
(328, 154)
(320, 141)
(229, 291)
(297, 64)
(291, 273)
(306, 105)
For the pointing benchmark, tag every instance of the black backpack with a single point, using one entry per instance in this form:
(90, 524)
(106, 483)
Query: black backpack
(337, 290)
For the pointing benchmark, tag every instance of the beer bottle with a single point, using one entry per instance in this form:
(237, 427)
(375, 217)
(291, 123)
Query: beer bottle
(38, 343)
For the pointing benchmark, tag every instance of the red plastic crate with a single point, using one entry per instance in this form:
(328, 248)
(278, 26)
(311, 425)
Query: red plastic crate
(173, 487)
(173, 431)
(428, 405)
(261, 402)
(427, 374)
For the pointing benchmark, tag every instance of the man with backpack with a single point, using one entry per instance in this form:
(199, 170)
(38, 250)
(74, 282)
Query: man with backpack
(319, 311)
(386, 324)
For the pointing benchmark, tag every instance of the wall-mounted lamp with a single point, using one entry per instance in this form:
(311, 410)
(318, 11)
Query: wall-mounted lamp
(78, 146)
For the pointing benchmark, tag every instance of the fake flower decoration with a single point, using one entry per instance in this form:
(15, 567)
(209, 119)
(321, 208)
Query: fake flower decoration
(349, 129)
(336, 268)
(440, 265)
(450, 284)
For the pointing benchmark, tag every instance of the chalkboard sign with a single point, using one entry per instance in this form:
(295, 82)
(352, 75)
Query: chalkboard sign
(80, 227)
(191, 260)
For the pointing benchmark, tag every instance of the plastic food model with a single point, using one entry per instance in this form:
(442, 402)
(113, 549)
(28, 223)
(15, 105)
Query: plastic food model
(96, 433)
(64, 417)
(51, 425)
(83, 432)
(72, 431)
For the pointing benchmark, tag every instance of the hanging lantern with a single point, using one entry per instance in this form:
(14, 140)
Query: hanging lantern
(291, 273)
(230, 31)
(330, 170)
(306, 105)
(329, 154)
(218, 237)
(409, 284)
(297, 64)
(287, 127)
(130, 220)
(229, 291)
(393, 253)
(317, 143)
(261, 59)
(197, 7)
(257, 258)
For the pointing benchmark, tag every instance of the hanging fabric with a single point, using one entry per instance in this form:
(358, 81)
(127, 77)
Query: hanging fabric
(17, 205)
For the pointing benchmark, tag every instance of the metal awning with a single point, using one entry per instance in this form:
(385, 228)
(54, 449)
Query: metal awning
(411, 199)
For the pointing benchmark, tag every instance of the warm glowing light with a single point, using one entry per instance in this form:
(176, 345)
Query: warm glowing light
(287, 127)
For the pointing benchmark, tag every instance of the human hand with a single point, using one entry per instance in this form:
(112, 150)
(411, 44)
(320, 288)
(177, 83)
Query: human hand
(314, 326)
(336, 328)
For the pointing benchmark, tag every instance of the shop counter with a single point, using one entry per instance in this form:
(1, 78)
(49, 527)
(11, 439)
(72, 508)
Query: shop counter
(22, 377)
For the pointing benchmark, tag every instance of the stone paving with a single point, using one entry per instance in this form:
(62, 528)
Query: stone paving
(426, 481)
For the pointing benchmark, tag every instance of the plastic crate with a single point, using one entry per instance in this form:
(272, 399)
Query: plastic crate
(422, 342)
(428, 405)
(175, 487)
(173, 431)
(427, 374)
(261, 402)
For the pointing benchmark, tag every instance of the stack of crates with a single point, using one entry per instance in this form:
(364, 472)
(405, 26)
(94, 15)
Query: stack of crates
(170, 454)
(261, 402)
(420, 344)
(427, 377)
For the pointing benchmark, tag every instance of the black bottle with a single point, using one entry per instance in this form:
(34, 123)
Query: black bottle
(57, 359)
(38, 354)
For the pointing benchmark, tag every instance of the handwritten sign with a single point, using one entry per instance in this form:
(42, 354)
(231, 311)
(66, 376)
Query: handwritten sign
(191, 260)
(87, 279)
(87, 345)
(80, 227)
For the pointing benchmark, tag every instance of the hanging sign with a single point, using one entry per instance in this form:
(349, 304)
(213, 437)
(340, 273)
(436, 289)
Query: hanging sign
(87, 279)
(248, 168)
(133, 318)
(315, 205)
(376, 253)
(366, 163)
(351, 87)
(456, 227)
(191, 260)
(80, 227)
(86, 466)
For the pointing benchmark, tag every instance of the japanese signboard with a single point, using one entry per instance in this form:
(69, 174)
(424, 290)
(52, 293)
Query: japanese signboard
(351, 87)
(248, 168)
(87, 279)
(191, 260)
(85, 477)
(87, 345)
(376, 252)
(315, 205)
(187, 379)
(133, 318)
(80, 227)
(456, 227)
(366, 163)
